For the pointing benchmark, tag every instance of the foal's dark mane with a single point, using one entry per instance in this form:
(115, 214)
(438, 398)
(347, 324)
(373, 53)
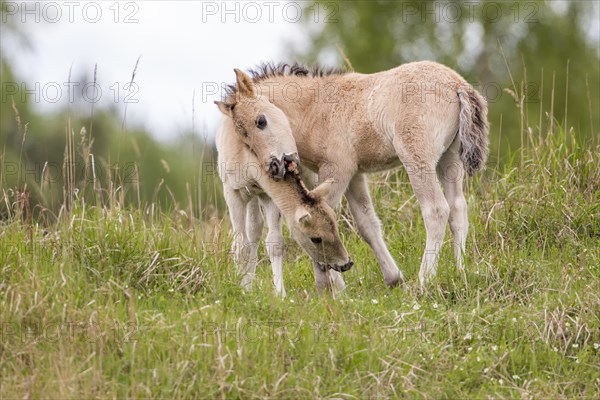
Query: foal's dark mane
(304, 193)
(268, 70)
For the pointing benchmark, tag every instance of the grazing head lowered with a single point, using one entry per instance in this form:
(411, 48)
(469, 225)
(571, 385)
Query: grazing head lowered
(261, 125)
(314, 226)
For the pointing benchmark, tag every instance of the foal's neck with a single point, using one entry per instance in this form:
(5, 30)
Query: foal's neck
(289, 193)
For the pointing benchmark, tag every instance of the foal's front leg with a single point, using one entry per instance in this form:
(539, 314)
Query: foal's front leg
(275, 243)
(254, 228)
(332, 280)
(328, 280)
(369, 228)
(237, 215)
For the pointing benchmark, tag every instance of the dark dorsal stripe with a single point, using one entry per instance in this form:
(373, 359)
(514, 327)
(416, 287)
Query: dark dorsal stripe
(265, 71)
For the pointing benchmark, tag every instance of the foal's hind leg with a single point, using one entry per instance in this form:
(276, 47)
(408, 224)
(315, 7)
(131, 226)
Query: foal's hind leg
(450, 172)
(435, 211)
(434, 208)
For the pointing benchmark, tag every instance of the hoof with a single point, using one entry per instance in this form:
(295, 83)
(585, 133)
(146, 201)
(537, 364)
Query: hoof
(394, 280)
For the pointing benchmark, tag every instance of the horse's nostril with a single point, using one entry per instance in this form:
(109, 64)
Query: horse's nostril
(274, 167)
(347, 266)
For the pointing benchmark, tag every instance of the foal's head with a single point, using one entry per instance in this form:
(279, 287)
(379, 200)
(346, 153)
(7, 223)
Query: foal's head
(315, 227)
(261, 125)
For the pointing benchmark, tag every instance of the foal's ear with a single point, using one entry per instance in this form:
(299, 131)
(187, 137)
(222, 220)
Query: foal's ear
(245, 84)
(225, 108)
(302, 216)
(322, 191)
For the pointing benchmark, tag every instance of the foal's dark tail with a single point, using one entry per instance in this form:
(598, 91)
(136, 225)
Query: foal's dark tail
(473, 129)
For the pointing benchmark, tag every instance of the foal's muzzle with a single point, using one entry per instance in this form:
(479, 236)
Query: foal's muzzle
(291, 161)
(339, 268)
(278, 167)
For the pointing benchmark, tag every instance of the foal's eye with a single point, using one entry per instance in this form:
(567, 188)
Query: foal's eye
(261, 122)
(316, 240)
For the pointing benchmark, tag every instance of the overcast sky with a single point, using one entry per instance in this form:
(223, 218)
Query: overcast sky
(188, 49)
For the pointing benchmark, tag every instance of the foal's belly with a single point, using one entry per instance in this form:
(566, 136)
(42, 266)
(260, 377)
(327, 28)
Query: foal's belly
(363, 146)
(374, 152)
(375, 159)
(379, 164)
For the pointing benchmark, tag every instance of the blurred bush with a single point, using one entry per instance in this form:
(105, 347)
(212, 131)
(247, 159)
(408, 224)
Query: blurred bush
(94, 156)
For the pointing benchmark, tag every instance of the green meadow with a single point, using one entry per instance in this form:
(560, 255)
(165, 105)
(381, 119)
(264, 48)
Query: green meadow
(124, 301)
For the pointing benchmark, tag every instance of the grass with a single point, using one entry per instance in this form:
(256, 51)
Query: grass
(127, 302)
